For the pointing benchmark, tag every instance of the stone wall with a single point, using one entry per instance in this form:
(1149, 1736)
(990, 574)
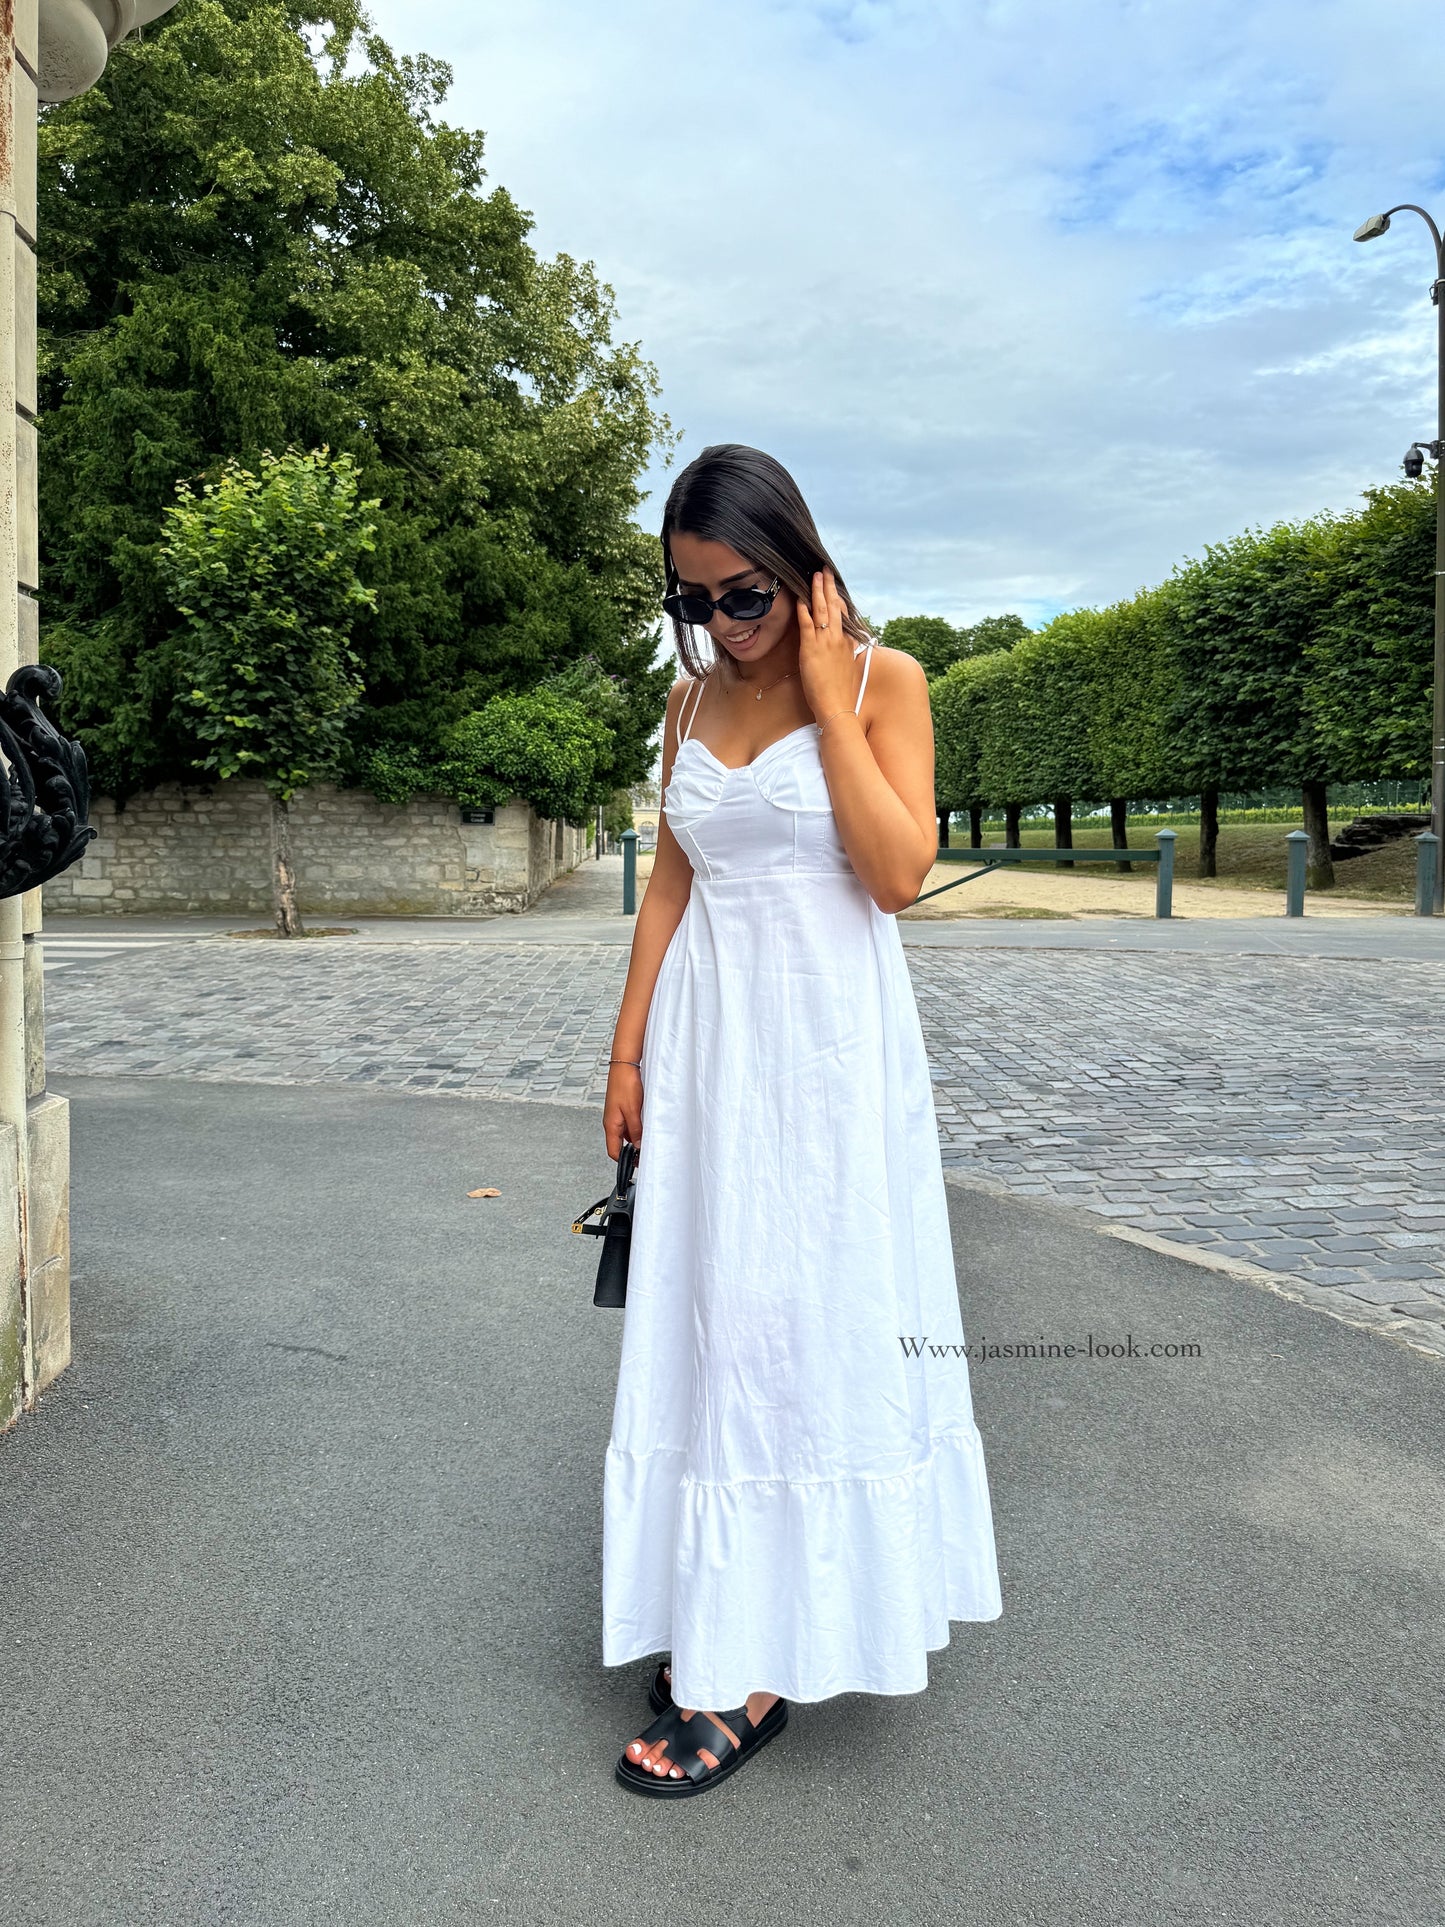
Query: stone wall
(208, 848)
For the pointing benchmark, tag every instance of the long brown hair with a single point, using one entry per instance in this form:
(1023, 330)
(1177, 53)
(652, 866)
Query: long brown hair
(738, 495)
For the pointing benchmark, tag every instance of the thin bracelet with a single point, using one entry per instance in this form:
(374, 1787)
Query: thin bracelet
(635, 1062)
(834, 717)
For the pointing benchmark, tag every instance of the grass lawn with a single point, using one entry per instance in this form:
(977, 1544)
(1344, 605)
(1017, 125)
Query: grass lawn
(1249, 856)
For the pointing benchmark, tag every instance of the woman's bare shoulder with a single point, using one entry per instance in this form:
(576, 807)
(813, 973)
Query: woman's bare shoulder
(897, 676)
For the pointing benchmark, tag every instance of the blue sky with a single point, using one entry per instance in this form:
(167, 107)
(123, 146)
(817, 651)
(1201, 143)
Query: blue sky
(1034, 300)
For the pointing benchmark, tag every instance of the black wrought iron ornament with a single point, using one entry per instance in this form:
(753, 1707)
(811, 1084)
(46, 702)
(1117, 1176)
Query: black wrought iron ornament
(44, 785)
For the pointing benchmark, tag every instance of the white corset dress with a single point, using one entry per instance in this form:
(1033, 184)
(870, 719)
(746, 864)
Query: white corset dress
(795, 1498)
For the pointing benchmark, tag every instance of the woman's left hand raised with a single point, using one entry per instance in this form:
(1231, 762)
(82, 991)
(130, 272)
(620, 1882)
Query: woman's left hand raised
(825, 650)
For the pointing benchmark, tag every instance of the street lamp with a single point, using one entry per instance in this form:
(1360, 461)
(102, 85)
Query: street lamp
(1414, 465)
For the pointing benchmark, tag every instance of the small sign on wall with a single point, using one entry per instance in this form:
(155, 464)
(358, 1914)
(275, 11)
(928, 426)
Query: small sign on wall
(479, 816)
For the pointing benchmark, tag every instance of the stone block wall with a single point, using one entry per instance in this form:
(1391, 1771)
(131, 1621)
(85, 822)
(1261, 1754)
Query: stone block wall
(208, 849)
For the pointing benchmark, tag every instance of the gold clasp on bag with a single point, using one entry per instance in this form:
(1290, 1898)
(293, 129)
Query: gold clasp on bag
(581, 1223)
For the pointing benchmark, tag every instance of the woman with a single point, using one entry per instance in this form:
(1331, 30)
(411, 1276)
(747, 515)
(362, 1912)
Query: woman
(795, 1499)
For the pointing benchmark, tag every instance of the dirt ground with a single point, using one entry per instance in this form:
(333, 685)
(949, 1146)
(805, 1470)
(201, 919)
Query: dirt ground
(1094, 891)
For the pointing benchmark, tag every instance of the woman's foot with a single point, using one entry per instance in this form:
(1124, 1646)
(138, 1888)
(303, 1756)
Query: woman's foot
(654, 1758)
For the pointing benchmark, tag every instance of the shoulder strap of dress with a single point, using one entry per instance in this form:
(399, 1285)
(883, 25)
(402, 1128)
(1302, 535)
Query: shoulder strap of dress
(867, 663)
(697, 685)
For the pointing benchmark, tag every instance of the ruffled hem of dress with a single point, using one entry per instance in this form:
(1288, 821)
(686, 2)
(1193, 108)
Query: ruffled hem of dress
(807, 1589)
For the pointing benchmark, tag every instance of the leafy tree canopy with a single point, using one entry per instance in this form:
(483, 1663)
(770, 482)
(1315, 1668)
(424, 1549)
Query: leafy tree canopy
(1371, 654)
(256, 234)
(543, 744)
(937, 644)
(928, 639)
(262, 567)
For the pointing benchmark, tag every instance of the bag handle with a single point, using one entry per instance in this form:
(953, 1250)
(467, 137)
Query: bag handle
(626, 1166)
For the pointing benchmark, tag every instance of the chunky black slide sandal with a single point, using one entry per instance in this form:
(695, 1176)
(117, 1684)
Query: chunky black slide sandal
(684, 1736)
(659, 1693)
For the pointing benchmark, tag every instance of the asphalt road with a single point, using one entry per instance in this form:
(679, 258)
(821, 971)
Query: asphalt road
(301, 1568)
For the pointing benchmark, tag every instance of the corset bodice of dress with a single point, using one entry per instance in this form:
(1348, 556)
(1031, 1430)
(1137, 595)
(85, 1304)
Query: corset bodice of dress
(772, 817)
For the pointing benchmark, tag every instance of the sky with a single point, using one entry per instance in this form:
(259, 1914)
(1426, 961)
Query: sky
(1034, 301)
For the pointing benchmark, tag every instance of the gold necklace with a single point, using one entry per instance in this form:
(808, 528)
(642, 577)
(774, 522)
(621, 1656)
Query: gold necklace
(768, 685)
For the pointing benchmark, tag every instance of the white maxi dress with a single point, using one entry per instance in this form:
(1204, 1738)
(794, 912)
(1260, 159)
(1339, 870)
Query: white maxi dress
(795, 1499)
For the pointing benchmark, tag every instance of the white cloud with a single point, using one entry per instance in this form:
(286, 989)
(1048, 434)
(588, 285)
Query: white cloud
(1034, 301)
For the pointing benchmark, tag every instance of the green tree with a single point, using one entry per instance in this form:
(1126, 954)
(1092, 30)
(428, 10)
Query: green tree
(1133, 690)
(938, 645)
(541, 746)
(256, 233)
(993, 633)
(1243, 618)
(1370, 655)
(978, 725)
(928, 639)
(957, 741)
(262, 569)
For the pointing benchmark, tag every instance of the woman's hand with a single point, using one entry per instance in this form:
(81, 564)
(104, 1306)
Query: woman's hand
(825, 652)
(622, 1108)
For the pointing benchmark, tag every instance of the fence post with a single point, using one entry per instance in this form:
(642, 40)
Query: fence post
(1164, 883)
(1294, 889)
(1427, 858)
(629, 873)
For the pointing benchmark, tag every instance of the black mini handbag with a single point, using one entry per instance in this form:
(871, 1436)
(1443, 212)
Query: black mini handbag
(614, 1227)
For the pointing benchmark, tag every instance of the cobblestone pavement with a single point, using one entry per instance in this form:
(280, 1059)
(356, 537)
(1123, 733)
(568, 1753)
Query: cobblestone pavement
(1282, 1111)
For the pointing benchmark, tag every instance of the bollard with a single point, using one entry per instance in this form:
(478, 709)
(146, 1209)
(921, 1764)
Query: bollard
(629, 873)
(1427, 858)
(1294, 889)
(1164, 882)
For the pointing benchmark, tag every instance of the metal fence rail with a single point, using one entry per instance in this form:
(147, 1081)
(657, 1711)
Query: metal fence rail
(997, 858)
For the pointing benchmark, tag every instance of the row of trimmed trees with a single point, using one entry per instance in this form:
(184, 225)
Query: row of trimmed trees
(1298, 655)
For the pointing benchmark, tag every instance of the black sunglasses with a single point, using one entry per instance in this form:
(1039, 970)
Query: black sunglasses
(739, 605)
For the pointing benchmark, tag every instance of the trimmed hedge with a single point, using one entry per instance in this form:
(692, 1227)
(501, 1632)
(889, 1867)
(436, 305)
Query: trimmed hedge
(1296, 654)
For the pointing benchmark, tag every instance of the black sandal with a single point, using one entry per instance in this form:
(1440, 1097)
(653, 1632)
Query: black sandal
(684, 1736)
(659, 1692)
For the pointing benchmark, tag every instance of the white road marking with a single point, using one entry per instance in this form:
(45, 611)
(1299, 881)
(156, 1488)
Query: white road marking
(58, 953)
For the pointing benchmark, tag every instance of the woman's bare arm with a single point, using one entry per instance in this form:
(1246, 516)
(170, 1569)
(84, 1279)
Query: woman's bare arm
(663, 902)
(879, 764)
(880, 779)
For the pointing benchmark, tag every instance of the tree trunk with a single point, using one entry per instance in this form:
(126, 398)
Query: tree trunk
(975, 827)
(1119, 828)
(283, 876)
(943, 821)
(1011, 825)
(1064, 828)
(1208, 831)
(1319, 866)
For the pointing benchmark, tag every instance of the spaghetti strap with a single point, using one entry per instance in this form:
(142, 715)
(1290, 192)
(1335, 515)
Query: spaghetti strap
(867, 662)
(693, 717)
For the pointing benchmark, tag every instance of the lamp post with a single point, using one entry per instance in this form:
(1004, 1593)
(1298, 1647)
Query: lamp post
(1414, 466)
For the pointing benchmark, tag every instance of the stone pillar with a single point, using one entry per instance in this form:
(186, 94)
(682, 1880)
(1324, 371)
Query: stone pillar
(34, 1281)
(51, 50)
